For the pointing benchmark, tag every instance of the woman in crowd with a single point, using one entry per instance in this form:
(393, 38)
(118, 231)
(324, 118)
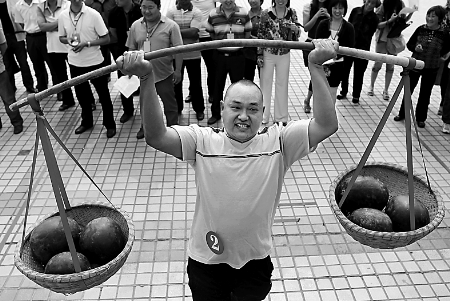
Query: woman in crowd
(313, 13)
(428, 43)
(338, 29)
(251, 52)
(365, 23)
(279, 22)
(387, 13)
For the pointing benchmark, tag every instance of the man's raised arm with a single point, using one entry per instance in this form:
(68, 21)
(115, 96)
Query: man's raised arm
(157, 135)
(325, 122)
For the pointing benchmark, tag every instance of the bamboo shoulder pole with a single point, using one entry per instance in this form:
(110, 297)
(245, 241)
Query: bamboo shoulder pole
(357, 53)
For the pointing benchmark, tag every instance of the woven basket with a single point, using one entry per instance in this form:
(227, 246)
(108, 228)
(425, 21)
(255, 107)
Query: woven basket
(395, 177)
(72, 283)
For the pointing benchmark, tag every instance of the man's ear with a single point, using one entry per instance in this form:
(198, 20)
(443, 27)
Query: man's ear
(222, 105)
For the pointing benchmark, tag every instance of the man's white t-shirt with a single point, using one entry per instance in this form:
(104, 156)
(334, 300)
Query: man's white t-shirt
(238, 188)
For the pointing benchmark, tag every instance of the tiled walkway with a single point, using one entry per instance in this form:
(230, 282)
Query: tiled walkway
(314, 258)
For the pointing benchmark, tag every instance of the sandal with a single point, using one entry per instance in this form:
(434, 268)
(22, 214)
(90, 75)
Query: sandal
(386, 95)
(370, 92)
(306, 107)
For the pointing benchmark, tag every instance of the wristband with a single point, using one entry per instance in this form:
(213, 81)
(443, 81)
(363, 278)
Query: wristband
(89, 44)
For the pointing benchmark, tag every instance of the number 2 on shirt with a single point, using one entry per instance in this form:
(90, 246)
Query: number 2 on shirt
(214, 243)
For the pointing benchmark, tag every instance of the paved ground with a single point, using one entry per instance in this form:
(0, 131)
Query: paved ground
(314, 258)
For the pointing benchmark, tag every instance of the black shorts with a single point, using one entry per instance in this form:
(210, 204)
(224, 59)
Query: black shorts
(220, 282)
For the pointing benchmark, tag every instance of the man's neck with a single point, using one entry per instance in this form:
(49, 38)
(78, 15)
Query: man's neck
(230, 10)
(28, 1)
(128, 6)
(76, 8)
(52, 3)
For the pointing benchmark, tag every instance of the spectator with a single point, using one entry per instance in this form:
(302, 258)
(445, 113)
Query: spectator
(251, 53)
(205, 7)
(7, 92)
(277, 23)
(235, 209)
(15, 38)
(313, 13)
(428, 43)
(83, 29)
(48, 13)
(189, 20)
(365, 23)
(228, 21)
(387, 13)
(339, 30)
(153, 32)
(25, 13)
(120, 20)
(445, 71)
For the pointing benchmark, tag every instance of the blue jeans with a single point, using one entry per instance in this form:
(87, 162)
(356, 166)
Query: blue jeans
(220, 282)
(8, 97)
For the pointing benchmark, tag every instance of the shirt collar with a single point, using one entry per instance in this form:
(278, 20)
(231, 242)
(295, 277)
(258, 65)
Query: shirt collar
(163, 19)
(58, 4)
(222, 12)
(189, 8)
(272, 9)
(32, 2)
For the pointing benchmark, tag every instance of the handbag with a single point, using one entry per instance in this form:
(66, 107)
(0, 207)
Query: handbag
(395, 45)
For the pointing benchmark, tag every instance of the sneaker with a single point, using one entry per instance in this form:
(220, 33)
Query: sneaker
(213, 119)
(140, 134)
(440, 111)
(446, 128)
(355, 100)
(421, 124)
(386, 95)
(370, 92)
(18, 129)
(306, 107)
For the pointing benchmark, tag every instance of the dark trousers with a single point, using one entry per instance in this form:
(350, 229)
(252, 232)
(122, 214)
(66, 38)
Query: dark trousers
(359, 67)
(166, 92)
(193, 68)
(8, 97)
(17, 51)
(37, 50)
(127, 103)
(446, 102)
(250, 69)
(232, 65)
(59, 75)
(444, 81)
(208, 58)
(428, 77)
(86, 98)
(220, 282)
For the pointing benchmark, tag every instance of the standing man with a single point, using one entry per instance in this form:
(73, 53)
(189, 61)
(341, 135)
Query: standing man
(228, 21)
(189, 20)
(230, 239)
(83, 29)
(205, 7)
(48, 13)
(120, 19)
(25, 14)
(153, 32)
(6, 90)
(15, 38)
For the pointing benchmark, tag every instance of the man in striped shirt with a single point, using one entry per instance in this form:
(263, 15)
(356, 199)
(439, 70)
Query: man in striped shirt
(189, 20)
(228, 21)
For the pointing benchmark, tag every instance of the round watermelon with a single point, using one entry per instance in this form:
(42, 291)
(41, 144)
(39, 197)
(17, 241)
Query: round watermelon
(398, 210)
(102, 240)
(49, 239)
(62, 263)
(371, 219)
(366, 192)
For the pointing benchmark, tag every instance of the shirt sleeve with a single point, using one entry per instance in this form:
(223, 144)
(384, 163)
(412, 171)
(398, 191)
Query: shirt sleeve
(188, 136)
(131, 40)
(175, 37)
(197, 19)
(295, 141)
(100, 26)
(61, 29)
(208, 24)
(112, 19)
(2, 36)
(17, 15)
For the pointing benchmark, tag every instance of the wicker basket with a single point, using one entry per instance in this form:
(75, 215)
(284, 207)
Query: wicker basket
(72, 283)
(395, 177)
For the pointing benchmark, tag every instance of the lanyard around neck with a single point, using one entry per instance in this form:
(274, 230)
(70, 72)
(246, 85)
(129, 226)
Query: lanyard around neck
(150, 34)
(75, 20)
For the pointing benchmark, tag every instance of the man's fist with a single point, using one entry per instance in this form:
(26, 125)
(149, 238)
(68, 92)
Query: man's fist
(324, 49)
(134, 63)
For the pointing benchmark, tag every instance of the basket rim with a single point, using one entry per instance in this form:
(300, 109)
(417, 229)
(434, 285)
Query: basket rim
(389, 235)
(75, 277)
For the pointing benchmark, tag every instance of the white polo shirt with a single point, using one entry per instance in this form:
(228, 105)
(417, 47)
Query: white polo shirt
(26, 14)
(205, 7)
(88, 23)
(53, 43)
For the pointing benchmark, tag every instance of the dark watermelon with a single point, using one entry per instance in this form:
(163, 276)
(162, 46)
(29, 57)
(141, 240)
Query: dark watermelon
(102, 240)
(49, 239)
(366, 192)
(371, 219)
(62, 263)
(398, 210)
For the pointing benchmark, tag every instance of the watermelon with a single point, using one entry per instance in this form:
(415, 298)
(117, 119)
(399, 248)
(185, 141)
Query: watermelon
(371, 219)
(49, 239)
(62, 263)
(398, 210)
(102, 240)
(366, 192)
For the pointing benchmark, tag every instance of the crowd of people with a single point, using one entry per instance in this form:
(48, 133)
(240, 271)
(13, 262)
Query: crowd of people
(85, 34)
